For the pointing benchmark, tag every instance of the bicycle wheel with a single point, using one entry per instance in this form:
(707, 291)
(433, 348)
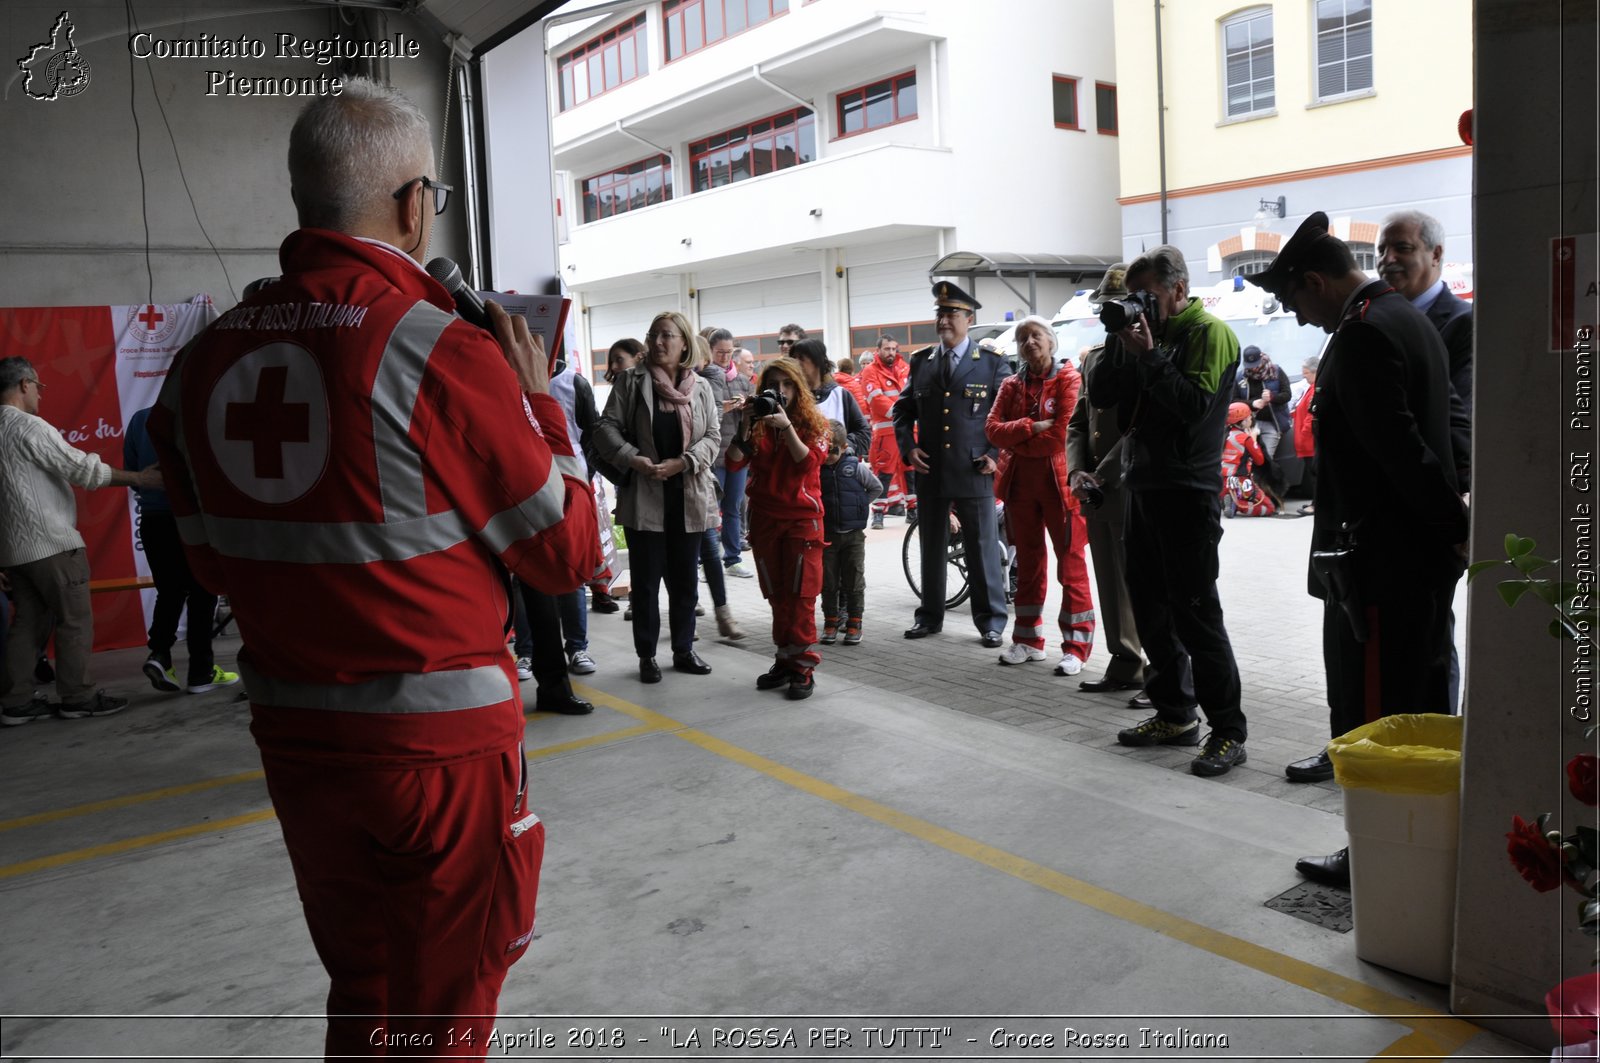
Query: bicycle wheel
(956, 587)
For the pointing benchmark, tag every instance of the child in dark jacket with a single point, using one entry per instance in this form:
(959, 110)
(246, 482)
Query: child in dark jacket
(848, 487)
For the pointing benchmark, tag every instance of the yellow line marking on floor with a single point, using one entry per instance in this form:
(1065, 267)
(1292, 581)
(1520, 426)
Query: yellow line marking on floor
(75, 856)
(1415, 1046)
(45, 863)
(1444, 1032)
(129, 800)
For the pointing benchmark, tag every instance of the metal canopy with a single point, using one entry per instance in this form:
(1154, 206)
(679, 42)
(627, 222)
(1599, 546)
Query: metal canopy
(1001, 265)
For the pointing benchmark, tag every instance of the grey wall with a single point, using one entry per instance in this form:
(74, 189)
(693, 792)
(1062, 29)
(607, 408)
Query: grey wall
(1535, 179)
(72, 230)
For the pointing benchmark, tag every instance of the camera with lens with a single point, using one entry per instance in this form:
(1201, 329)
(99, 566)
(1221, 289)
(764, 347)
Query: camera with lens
(1118, 314)
(767, 403)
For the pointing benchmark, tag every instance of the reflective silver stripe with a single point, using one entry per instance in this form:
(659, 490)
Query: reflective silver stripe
(571, 465)
(192, 530)
(343, 543)
(880, 426)
(394, 396)
(453, 691)
(544, 509)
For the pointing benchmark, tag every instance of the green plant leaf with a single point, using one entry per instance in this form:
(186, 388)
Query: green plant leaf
(1481, 566)
(1547, 592)
(1510, 591)
(1589, 845)
(1516, 545)
(1530, 563)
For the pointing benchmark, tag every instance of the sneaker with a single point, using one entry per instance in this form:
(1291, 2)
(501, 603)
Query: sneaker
(1020, 653)
(739, 570)
(877, 522)
(219, 678)
(524, 668)
(801, 687)
(699, 610)
(1218, 756)
(1068, 665)
(602, 602)
(830, 633)
(161, 674)
(102, 704)
(22, 714)
(580, 663)
(627, 614)
(852, 633)
(1158, 732)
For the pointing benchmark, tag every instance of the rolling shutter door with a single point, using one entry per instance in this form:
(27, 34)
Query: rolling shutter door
(759, 307)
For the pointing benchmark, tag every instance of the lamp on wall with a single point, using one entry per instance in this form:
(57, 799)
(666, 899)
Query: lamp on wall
(1269, 209)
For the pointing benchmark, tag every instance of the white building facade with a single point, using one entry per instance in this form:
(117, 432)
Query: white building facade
(757, 163)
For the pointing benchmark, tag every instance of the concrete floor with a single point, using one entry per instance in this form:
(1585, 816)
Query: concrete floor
(930, 844)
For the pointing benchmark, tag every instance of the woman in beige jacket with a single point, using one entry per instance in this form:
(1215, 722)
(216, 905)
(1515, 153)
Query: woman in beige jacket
(662, 425)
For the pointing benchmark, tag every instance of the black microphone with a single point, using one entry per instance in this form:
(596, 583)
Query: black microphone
(468, 305)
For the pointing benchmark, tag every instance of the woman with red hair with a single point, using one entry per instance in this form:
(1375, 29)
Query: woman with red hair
(784, 449)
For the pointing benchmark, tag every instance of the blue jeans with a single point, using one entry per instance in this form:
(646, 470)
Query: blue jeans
(711, 564)
(574, 608)
(732, 484)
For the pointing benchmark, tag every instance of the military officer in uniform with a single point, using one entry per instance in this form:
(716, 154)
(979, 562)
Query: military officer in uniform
(939, 427)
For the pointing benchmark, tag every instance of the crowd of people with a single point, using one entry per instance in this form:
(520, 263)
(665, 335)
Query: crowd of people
(453, 479)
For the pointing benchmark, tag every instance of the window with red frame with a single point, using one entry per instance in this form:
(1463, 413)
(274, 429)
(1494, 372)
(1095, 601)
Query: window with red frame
(878, 104)
(1064, 97)
(626, 188)
(615, 57)
(774, 143)
(693, 24)
(1105, 108)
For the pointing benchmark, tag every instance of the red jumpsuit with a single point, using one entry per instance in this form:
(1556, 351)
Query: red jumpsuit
(786, 538)
(882, 385)
(356, 469)
(1032, 481)
(1240, 495)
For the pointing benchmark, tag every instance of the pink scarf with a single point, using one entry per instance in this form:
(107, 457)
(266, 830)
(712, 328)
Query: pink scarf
(667, 394)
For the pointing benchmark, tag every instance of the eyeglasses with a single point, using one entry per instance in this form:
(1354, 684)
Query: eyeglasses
(787, 343)
(441, 192)
(664, 334)
(947, 311)
(35, 381)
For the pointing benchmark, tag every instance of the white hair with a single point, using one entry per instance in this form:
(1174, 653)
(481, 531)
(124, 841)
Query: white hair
(345, 152)
(1049, 330)
(1429, 228)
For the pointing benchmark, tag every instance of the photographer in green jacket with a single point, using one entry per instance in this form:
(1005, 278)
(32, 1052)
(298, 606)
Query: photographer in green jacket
(1170, 369)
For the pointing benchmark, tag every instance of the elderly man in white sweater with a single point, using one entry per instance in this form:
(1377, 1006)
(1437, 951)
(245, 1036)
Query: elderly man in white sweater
(42, 554)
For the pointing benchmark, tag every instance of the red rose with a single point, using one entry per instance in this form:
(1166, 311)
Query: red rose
(1533, 856)
(1583, 778)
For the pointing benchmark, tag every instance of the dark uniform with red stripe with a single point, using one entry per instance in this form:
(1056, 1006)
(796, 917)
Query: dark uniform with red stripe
(1381, 412)
(356, 469)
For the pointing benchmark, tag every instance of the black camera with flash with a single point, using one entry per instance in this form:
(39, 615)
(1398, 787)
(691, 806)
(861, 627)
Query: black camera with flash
(1118, 314)
(767, 403)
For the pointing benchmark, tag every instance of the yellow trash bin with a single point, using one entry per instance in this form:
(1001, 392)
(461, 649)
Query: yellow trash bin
(1402, 794)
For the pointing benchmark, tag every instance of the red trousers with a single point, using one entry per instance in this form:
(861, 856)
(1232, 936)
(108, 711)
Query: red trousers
(884, 459)
(1033, 511)
(418, 894)
(788, 558)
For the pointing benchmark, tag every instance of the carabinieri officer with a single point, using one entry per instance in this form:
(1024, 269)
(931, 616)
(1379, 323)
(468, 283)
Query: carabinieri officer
(939, 426)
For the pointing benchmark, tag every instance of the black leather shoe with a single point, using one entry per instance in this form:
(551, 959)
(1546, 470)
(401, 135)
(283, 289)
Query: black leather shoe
(773, 678)
(1313, 769)
(690, 662)
(1106, 686)
(571, 705)
(1330, 870)
(991, 639)
(649, 671)
(919, 630)
(1141, 700)
(800, 687)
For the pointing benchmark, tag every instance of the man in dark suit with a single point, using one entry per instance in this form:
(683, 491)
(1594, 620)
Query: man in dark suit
(939, 427)
(1386, 489)
(1094, 462)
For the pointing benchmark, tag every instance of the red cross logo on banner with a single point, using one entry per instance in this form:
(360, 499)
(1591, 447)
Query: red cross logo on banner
(267, 422)
(151, 318)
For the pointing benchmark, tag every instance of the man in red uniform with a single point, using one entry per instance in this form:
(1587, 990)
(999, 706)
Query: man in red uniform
(883, 380)
(357, 468)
